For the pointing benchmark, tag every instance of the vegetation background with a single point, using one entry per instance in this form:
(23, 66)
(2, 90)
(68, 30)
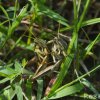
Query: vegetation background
(49, 49)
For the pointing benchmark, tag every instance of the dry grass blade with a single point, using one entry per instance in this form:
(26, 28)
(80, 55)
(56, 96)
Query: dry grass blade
(46, 70)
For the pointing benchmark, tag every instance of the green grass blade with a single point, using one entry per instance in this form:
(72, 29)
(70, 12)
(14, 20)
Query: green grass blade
(64, 69)
(83, 14)
(86, 96)
(79, 5)
(15, 23)
(17, 20)
(75, 12)
(91, 22)
(90, 46)
(28, 91)
(81, 17)
(67, 91)
(40, 89)
(53, 15)
(15, 8)
(74, 81)
(84, 23)
(79, 78)
(5, 12)
(77, 27)
(9, 94)
(89, 85)
(3, 29)
(19, 92)
(8, 72)
(4, 80)
(72, 43)
(6, 94)
(18, 67)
